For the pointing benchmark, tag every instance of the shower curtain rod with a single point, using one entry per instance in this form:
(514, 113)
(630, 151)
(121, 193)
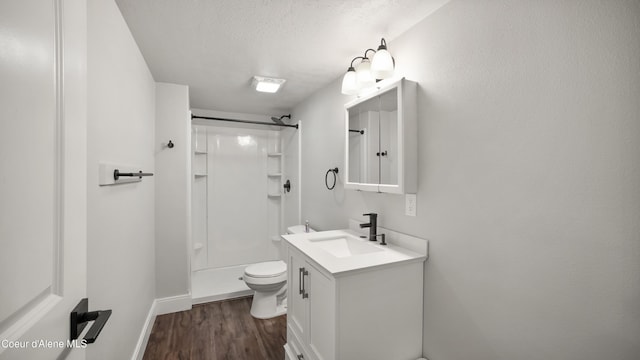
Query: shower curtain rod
(243, 121)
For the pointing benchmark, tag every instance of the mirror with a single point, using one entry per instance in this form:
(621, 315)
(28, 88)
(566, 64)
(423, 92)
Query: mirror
(374, 140)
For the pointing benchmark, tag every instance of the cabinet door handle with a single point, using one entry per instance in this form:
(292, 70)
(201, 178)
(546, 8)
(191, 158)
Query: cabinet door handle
(305, 294)
(300, 289)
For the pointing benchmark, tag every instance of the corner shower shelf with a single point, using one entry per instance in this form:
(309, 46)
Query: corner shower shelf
(274, 154)
(274, 195)
(274, 174)
(200, 152)
(199, 175)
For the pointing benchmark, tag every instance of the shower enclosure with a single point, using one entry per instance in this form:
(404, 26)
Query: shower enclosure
(237, 215)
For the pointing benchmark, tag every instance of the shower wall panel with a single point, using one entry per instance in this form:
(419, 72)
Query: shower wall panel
(239, 212)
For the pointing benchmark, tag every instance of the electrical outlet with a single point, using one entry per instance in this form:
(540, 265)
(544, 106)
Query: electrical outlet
(410, 204)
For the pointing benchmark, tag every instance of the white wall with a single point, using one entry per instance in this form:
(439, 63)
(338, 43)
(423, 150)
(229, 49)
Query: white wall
(529, 163)
(121, 117)
(322, 118)
(172, 190)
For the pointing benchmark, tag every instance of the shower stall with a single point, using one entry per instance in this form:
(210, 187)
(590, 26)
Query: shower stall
(238, 205)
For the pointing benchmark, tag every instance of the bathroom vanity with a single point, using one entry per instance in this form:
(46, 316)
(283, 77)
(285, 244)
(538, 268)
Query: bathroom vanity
(350, 298)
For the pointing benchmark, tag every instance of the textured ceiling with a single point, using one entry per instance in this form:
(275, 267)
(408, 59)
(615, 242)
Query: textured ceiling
(216, 47)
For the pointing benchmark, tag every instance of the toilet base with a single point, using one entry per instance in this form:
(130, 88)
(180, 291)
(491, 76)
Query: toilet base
(267, 305)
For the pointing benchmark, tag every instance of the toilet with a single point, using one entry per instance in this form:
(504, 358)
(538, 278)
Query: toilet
(268, 280)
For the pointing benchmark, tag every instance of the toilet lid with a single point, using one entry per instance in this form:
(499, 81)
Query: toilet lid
(266, 269)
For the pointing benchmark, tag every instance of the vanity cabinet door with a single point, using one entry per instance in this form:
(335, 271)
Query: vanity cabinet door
(321, 302)
(296, 304)
(311, 308)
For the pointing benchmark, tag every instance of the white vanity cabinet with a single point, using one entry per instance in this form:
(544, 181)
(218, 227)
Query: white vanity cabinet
(373, 313)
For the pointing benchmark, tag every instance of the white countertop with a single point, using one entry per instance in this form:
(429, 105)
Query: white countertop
(388, 255)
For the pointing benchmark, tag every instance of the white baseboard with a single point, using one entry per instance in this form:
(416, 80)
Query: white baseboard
(158, 307)
(173, 304)
(138, 352)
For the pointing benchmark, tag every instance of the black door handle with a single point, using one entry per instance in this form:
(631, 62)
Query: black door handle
(80, 316)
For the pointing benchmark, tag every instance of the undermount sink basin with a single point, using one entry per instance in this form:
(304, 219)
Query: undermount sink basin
(344, 246)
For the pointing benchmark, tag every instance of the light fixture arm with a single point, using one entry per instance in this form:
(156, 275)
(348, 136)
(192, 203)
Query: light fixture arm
(354, 59)
(366, 51)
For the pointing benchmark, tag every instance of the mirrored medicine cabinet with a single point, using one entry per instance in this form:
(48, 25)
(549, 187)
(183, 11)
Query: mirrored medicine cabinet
(381, 139)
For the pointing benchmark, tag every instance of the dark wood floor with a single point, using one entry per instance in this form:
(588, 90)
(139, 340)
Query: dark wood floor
(222, 330)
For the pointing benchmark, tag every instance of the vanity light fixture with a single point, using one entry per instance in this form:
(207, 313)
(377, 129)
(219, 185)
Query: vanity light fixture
(368, 71)
(267, 84)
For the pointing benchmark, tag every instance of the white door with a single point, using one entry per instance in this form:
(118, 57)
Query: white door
(42, 175)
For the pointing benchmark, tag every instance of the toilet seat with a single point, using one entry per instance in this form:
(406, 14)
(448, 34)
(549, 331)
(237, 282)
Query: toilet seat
(267, 269)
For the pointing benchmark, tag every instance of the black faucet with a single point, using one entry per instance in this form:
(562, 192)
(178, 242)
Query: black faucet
(372, 225)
